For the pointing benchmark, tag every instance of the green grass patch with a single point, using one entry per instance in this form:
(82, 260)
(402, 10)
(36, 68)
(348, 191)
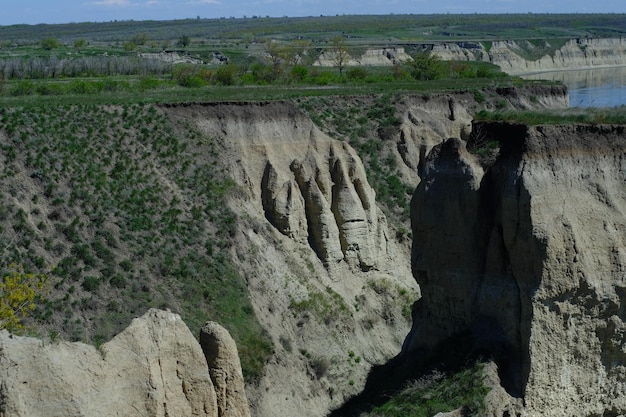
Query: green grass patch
(121, 238)
(439, 393)
(615, 115)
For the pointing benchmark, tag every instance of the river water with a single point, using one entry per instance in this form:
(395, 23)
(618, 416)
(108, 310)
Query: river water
(601, 87)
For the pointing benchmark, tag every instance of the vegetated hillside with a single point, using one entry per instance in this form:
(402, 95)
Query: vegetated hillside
(195, 206)
(125, 209)
(364, 27)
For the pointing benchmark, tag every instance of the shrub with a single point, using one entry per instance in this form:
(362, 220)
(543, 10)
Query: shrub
(437, 393)
(91, 283)
(187, 76)
(18, 293)
(23, 88)
(225, 75)
(427, 66)
(118, 281)
(299, 73)
(50, 43)
(356, 74)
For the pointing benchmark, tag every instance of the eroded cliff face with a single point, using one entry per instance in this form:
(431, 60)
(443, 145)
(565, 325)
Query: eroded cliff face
(155, 367)
(327, 279)
(524, 261)
(512, 56)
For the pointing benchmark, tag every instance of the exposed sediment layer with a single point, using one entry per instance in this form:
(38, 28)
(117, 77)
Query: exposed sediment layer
(522, 57)
(525, 259)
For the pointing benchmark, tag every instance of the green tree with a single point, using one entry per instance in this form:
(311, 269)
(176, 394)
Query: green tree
(141, 38)
(427, 66)
(339, 54)
(80, 44)
(18, 292)
(184, 41)
(50, 43)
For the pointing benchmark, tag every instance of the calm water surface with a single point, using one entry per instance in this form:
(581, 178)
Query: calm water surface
(602, 87)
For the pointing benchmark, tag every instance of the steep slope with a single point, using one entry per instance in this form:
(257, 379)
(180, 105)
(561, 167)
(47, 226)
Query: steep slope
(328, 282)
(524, 263)
(236, 212)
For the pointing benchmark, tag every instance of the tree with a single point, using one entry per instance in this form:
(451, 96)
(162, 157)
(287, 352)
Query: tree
(50, 43)
(18, 292)
(276, 53)
(427, 66)
(80, 44)
(339, 54)
(184, 41)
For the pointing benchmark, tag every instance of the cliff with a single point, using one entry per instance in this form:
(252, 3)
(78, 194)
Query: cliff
(327, 278)
(519, 57)
(155, 367)
(324, 258)
(522, 261)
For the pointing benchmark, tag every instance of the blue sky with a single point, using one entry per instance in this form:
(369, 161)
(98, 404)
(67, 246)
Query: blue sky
(51, 11)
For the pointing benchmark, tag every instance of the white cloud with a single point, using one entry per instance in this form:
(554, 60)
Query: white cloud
(120, 3)
(205, 2)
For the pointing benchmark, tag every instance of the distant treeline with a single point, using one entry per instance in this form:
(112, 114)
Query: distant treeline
(100, 66)
(352, 26)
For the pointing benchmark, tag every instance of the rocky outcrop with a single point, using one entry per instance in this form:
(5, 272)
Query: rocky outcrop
(326, 280)
(155, 367)
(520, 57)
(523, 261)
(389, 56)
(221, 354)
(310, 187)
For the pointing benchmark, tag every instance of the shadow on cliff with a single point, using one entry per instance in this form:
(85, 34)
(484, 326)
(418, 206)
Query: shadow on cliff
(483, 342)
(473, 306)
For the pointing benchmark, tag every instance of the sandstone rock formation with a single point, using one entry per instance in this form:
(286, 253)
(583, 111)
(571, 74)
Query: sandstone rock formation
(327, 282)
(221, 354)
(523, 261)
(155, 367)
(371, 57)
(511, 56)
(310, 187)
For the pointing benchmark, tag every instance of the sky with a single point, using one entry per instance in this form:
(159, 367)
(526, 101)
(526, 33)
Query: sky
(66, 11)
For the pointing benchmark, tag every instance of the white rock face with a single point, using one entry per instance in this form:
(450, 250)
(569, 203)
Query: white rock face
(526, 259)
(371, 57)
(310, 187)
(220, 351)
(329, 285)
(510, 55)
(155, 367)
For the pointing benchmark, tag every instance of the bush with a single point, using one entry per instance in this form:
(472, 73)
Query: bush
(90, 283)
(427, 66)
(50, 43)
(187, 76)
(23, 88)
(118, 281)
(438, 393)
(18, 292)
(299, 73)
(356, 74)
(225, 75)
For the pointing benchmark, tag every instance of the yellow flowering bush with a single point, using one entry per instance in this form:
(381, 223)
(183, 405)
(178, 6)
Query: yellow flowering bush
(18, 293)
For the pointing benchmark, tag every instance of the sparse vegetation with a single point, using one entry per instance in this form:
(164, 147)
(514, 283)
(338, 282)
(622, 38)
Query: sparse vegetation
(121, 239)
(438, 393)
(366, 124)
(615, 115)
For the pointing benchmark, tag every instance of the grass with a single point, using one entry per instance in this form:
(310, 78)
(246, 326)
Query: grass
(366, 123)
(439, 393)
(121, 239)
(615, 115)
